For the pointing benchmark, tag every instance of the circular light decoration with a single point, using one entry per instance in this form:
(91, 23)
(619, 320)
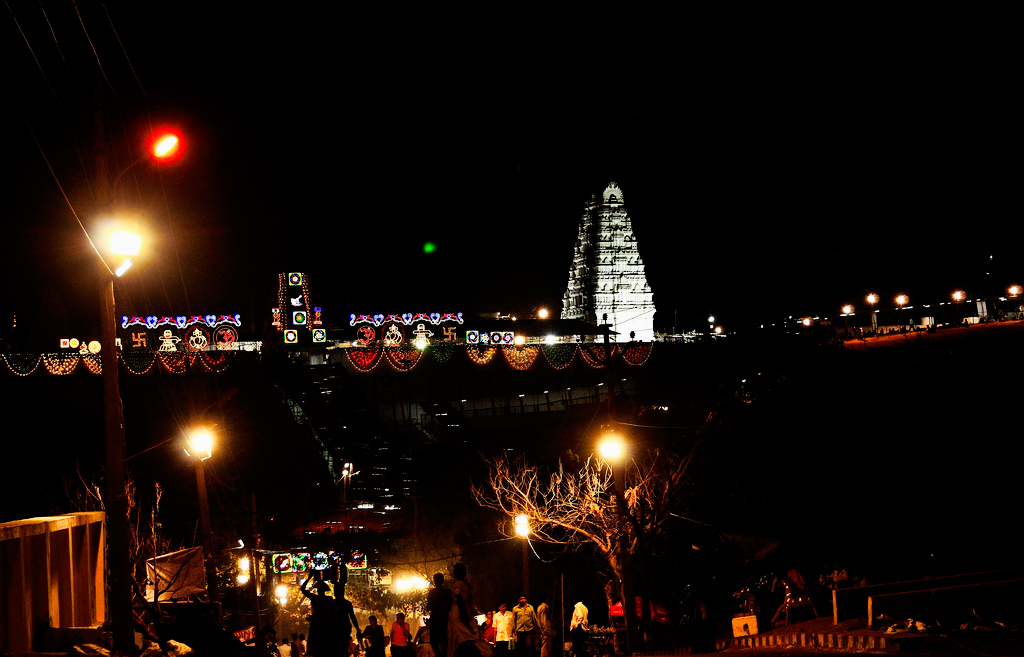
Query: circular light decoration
(225, 337)
(299, 318)
(94, 347)
(295, 278)
(198, 339)
(365, 335)
(291, 336)
(393, 335)
(320, 561)
(319, 335)
(73, 343)
(472, 337)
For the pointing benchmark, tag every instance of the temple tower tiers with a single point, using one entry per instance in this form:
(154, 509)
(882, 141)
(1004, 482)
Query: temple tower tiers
(607, 273)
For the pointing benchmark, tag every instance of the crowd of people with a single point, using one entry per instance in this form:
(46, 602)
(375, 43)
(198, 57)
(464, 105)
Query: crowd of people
(453, 628)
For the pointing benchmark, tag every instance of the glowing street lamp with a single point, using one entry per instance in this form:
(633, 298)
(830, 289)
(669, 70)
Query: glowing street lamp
(902, 300)
(612, 449)
(872, 299)
(1014, 290)
(959, 296)
(522, 528)
(199, 444)
(542, 313)
(847, 309)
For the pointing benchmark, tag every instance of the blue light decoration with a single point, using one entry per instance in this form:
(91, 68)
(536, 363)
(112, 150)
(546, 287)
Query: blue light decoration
(180, 321)
(319, 335)
(295, 278)
(406, 319)
(320, 561)
(472, 337)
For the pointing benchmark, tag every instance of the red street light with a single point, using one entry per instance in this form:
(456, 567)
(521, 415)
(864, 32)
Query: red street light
(166, 145)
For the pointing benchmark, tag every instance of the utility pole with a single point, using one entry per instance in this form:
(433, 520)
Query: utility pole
(115, 502)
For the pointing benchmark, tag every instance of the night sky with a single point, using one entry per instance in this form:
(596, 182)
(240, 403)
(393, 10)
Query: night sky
(766, 175)
(772, 166)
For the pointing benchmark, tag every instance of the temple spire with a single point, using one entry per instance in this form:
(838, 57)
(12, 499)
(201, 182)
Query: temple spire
(607, 274)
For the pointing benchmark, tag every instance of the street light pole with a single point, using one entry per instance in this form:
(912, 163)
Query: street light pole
(523, 530)
(115, 503)
(201, 445)
(612, 451)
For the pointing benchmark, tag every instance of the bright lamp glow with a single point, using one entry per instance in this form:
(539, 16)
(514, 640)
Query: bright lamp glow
(123, 267)
(959, 295)
(522, 525)
(202, 444)
(902, 300)
(165, 145)
(611, 447)
(125, 243)
(872, 298)
(550, 339)
(281, 591)
(542, 313)
(410, 583)
(847, 309)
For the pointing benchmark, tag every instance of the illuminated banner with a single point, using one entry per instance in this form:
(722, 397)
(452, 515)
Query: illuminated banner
(179, 334)
(294, 308)
(298, 562)
(406, 319)
(490, 337)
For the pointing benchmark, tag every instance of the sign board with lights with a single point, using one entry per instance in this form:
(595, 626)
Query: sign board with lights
(294, 309)
(178, 333)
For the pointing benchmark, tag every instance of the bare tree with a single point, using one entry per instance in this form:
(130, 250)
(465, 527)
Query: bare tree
(574, 508)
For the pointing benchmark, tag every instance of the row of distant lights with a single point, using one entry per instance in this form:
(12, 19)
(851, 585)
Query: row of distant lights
(902, 300)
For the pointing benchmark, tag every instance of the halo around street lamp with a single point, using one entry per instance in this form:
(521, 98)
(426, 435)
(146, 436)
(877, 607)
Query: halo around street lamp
(201, 443)
(611, 447)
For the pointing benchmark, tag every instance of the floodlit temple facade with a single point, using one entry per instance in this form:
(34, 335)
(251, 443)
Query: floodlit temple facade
(607, 274)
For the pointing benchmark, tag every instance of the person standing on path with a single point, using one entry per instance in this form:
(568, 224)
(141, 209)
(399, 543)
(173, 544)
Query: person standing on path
(525, 623)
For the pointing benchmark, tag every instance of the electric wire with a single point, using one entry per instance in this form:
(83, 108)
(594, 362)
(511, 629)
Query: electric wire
(34, 57)
(61, 188)
(96, 54)
(54, 33)
(127, 59)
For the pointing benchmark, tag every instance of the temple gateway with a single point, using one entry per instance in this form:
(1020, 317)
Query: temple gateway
(607, 274)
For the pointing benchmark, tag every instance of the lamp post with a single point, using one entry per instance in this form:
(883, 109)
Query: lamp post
(847, 311)
(612, 449)
(873, 299)
(126, 245)
(200, 446)
(901, 300)
(523, 530)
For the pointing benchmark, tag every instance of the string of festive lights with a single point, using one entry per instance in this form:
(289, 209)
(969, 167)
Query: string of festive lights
(403, 358)
(405, 318)
(180, 321)
(22, 364)
(214, 361)
(636, 354)
(521, 358)
(442, 351)
(364, 359)
(138, 362)
(480, 355)
(559, 356)
(93, 363)
(594, 355)
(175, 363)
(60, 364)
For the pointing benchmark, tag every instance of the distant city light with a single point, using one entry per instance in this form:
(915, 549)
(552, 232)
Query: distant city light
(542, 313)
